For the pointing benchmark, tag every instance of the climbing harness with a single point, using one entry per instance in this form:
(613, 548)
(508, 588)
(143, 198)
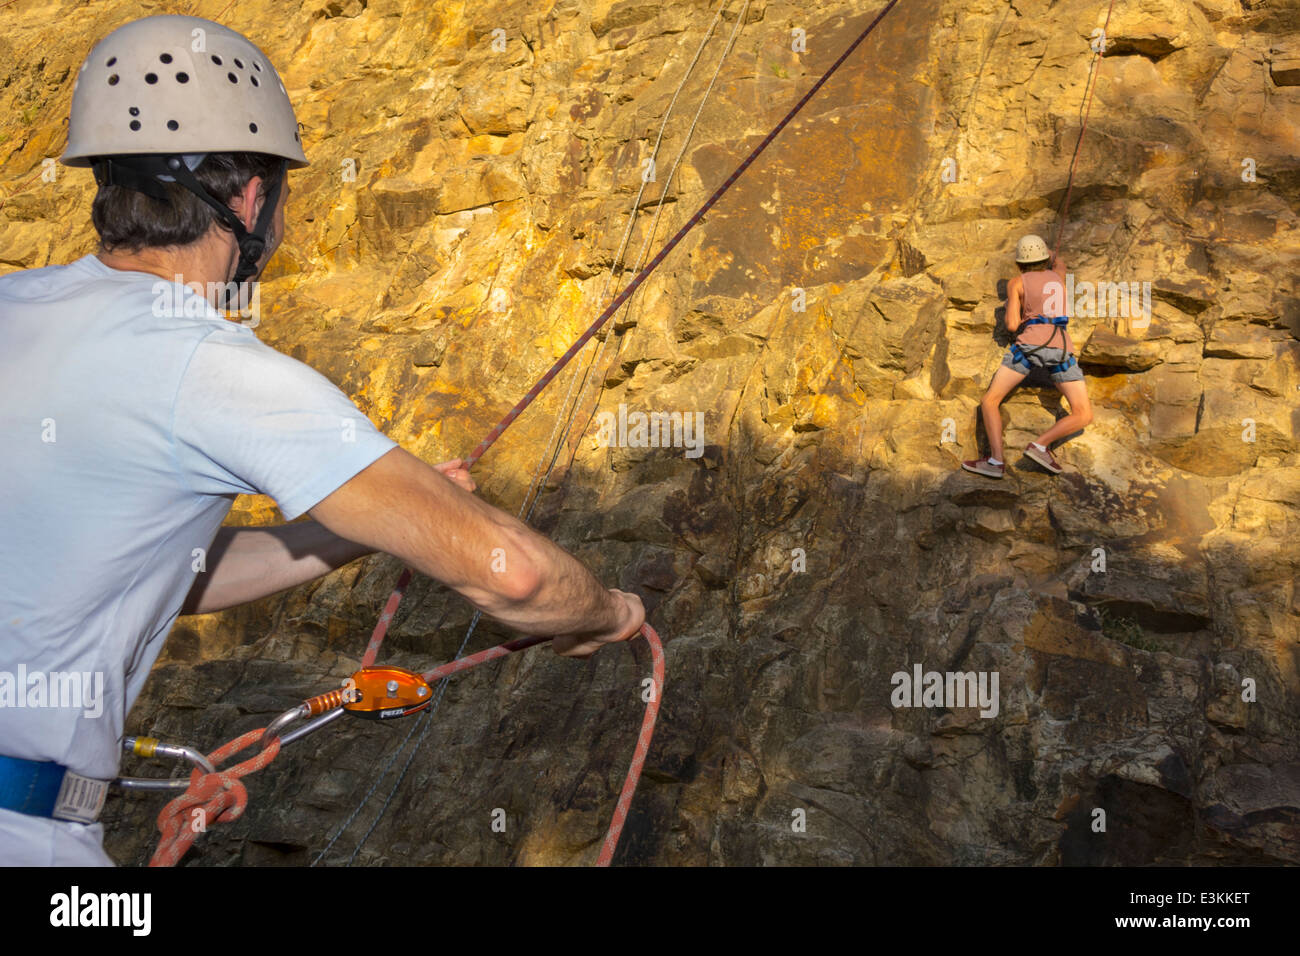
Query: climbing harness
(1021, 357)
(1020, 353)
(219, 795)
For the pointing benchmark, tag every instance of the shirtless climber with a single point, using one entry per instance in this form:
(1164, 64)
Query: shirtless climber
(1036, 310)
(130, 425)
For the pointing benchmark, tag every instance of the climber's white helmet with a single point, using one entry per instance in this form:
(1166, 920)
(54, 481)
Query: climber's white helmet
(1031, 249)
(156, 95)
(174, 84)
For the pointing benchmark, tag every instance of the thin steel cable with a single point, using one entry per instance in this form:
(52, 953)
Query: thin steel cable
(672, 243)
(394, 599)
(659, 207)
(530, 500)
(615, 268)
(426, 719)
(1090, 87)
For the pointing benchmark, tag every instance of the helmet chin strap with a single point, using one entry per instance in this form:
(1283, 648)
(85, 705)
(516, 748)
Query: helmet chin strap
(143, 173)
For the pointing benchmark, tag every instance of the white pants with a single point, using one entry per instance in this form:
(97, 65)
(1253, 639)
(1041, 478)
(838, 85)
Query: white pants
(39, 841)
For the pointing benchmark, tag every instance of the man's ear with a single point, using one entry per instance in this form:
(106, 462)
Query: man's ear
(248, 204)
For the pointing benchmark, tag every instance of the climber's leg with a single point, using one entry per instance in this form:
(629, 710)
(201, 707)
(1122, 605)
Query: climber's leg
(1076, 393)
(1004, 380)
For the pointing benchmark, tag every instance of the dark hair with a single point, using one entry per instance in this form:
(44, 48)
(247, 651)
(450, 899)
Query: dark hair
(1034, 266)
(128, 219)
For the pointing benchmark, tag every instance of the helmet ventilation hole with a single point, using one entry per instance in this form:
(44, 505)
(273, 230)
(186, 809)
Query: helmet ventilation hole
(111, 61)
(254, 79)
(151, 78)
(164, 57)
(257, 66)
(173, 125)
(134, 111)
(182, 77)
(232, 78)
(135, 125)
(112, 80)
(252, 127)
(216, 59)
(238, 63)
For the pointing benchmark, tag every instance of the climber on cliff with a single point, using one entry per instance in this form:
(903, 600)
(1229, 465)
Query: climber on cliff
(132, 413)
(1036, 315)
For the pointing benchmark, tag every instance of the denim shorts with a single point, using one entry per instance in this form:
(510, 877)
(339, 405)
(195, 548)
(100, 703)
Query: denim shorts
(1041, 359)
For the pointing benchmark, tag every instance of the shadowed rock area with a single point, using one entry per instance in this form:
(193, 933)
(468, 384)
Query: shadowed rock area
(836, 318)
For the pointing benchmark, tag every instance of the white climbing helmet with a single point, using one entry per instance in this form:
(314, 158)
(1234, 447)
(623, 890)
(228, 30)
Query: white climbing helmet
(175, 84)
(1032, 249)
(155, 96)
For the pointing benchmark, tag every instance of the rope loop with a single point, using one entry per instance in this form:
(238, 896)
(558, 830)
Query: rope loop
(219, 797)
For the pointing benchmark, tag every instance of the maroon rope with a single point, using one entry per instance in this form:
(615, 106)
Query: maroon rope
(390, 608)
(650, 267)
(639, 752)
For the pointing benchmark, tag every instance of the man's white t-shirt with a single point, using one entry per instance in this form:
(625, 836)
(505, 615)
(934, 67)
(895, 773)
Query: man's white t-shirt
(131, 415)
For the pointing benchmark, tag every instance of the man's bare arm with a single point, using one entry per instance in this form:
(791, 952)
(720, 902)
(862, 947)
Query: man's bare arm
(404, 507)
(245, 564)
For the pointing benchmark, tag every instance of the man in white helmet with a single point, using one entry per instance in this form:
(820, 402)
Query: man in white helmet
(1037, 315)
(133, 413)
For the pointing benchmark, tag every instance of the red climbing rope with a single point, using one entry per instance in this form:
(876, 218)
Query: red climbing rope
(386, 618)
(639, 754)
(221, 796)
(650, 267)
(1091, 87)
(642, 748)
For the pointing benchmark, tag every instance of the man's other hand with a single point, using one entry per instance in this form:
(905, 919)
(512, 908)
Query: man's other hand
(457, 472)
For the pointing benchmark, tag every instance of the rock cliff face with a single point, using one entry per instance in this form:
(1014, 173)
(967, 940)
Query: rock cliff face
(835, 319)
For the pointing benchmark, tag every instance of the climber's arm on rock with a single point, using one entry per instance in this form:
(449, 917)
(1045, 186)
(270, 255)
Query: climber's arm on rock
(404, 507)
(246, 564)
(1013, 304)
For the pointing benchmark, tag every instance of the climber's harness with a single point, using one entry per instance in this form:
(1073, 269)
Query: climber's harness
(1020, 355)
(42, 788)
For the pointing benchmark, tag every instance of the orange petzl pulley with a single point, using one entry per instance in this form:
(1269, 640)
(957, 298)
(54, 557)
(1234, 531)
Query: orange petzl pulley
(382, 693)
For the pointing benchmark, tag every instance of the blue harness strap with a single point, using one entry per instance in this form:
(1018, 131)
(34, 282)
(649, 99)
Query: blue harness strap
(42, 788)
(1019, 357)
(29, 786)
(1065, 366)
